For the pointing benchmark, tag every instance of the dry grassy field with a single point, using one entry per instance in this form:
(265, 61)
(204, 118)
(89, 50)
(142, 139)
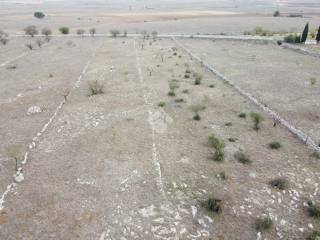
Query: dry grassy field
(132, 137)
(131, 162)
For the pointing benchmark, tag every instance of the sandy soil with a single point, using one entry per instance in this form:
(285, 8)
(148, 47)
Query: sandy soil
(118, 166)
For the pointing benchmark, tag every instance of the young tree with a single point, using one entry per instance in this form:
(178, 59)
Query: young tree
(31, 30)
(46, 31)
(305, 33)
(92, 31)
(318, 36)
(64, 30)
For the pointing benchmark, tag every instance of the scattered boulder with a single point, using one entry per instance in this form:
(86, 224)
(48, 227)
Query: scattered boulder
(34, 110)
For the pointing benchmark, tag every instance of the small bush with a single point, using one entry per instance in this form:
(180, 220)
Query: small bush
(315, 235)
(172, 86)
(179, 100)
(242, 115)
(213, 205)
(161, 104)
(211, 86)
(242, 157)
(257, 118)
(313, 81)
(188, 71)
(232, 139)
(222, 175)
(114, 32)
(187, 76)
(95, 88)
(186, 91)
(263, 224)
(4, 41)
(198, 78)
(46, 31)
(313, 210)
(39, 15)
(228, 124)
(275, 145)
(197, 82)
(292, 38)
(218, 146)
(64, 30)
(279, 183)
(276, 14)
(31, 30)
(196, 108)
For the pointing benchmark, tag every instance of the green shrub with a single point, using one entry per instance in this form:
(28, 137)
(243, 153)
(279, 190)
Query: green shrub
(279, 183)
(64, 30)
(315, 235)
(186, 76)
(232, 139)
(263, 224)
(242, 157)
(242, 115)
(213, 205)
(196, 108)
(39, 15)
(46, 31)
(218, 146)
(186, 91)
(161, 104)
(292, 38)
(275, 145)
(257, 118)
(313, 210)
(211, 86)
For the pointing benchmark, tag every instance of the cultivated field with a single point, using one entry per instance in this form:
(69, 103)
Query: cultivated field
(132, 163)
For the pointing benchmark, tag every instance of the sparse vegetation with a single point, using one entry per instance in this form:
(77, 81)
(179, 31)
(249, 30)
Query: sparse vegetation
(279, 183)
(257, 118)
(242, 115)
(3, 37)
(313, 209)
(292, 38)
(39, 43)
(222, 175)
(242, 157)
(179, 100)
(315, 235)
(172, 86)
(92, 31)
(263, 224)
(39, 15)
(114, 32)
(29, 46)
(218, 146)
(196, 108)
(276, 14)
(31, 30)
(80, 32)
(213, 205)
(161, 104)
(46, 32)
(313, 81)
(95, 88)
(211, 86)
(275, 145)
(64, 30)
(198, 78)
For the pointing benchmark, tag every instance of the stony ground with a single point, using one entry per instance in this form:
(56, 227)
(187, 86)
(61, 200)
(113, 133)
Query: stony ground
(118, 166)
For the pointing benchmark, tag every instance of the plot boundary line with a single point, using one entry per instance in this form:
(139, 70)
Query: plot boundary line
(294, 130)
(32, 145)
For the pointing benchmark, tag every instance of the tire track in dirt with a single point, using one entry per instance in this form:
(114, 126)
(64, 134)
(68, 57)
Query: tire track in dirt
(18, 176)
